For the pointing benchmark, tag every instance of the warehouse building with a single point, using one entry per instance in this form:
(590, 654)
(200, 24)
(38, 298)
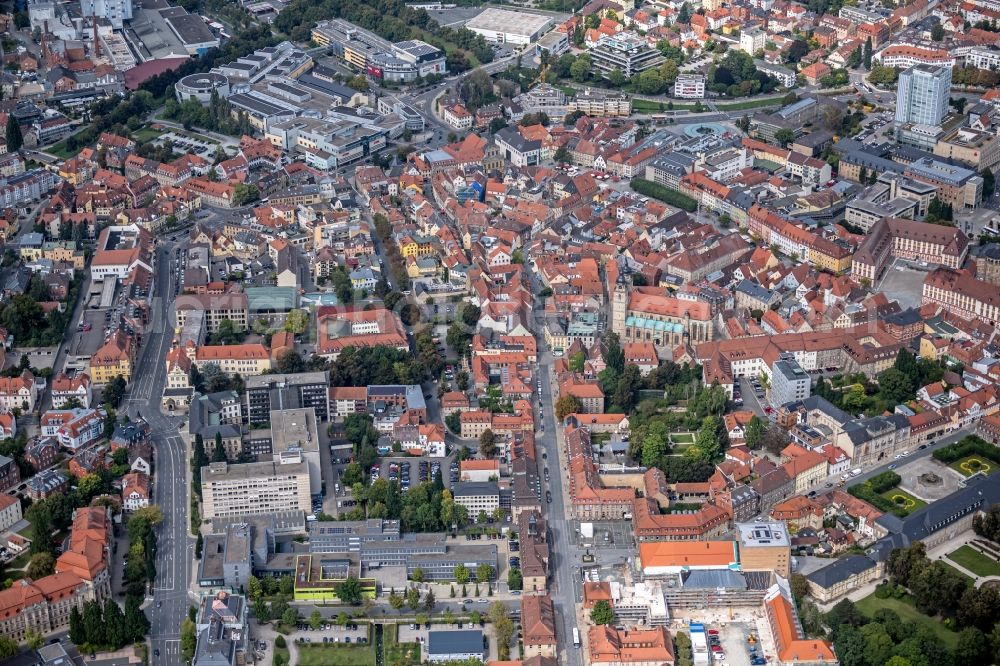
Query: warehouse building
(377, 57)
(504, 26)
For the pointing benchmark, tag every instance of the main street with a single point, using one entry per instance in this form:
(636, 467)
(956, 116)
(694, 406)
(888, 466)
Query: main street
(561, 562)
(175, 548)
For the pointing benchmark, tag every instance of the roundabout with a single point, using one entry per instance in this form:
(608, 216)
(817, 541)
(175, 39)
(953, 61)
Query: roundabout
(704, 129)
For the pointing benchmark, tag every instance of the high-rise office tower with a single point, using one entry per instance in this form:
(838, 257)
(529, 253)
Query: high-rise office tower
(922, 95)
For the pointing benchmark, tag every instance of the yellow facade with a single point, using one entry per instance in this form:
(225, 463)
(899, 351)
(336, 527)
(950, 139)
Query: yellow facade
(823, 261)
(102, 373)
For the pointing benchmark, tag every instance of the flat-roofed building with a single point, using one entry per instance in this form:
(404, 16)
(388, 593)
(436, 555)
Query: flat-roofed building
(287, 391)
(626, 52)
(764, 547)
(504, 26)
(255, 488)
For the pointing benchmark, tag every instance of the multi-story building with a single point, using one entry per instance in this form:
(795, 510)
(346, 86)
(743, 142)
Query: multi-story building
(905, 55)
(689, 86)
(115, 358)
(66, 389)
(922, 95)
(255, 488)
(18, 392)
(477, 496)
(401, 62)
(217, 308)
(10, 511)
(245, 360)
(785, 76)
(626, 52)
(74, 429)
(538, 617)
(915, 241)
(979, 149)
(518, 150)
(290, 391)
(10, 474)
(988, 263)
(789, 381)
(116, 12)
(222, 628)
(752, 40)
(963, 295)
(764, 547)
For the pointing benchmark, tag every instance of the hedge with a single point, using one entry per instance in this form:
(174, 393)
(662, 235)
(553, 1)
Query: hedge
(664, 194)
(884, 481)
(967, 446)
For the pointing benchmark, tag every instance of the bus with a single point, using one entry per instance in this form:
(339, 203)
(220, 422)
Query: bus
(576, 637)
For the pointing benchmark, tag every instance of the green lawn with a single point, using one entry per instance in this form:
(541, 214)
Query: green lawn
(682, 437)
(145, 134)
(398, 653)
(569, 91)
(283, 652)
(908, 613)
(647, 106)
(974, 561)
(970, 465)
(336, 654)
(903, 500)
(59, 149)
(750, 104)
(958, 573)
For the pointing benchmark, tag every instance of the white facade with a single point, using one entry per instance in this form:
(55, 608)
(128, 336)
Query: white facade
(115, 11)
(922, 95)
(690, 86)
(752, 40)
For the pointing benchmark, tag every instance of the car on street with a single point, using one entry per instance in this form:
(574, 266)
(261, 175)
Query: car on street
(548, 496)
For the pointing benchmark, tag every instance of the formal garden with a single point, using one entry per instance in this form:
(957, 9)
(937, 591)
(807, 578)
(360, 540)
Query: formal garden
(882, 491)
(970, 465)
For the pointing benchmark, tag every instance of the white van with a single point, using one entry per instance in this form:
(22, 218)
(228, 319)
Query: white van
(856, 471)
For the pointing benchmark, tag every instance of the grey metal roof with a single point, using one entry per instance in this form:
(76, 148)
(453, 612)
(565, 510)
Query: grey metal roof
(840, 570)
(469, 641)
(715, 579)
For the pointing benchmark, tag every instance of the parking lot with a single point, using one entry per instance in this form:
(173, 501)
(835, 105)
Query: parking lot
(613, 533)
(333, 633)
(186, 144)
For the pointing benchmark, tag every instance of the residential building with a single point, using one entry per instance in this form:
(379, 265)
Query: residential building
(690, 86)
(66, 389)
(115, 358)
(538, 617)
(789, 381)
(10, 512)
(245, 360)
(135, 491)
(18, 392)
(626, 52)
(631, 647)
(963, 295)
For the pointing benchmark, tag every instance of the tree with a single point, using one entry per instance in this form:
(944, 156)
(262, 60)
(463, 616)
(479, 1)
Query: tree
(487, 444)
(14, 137)
(774, 440)
(429, 601)
(253, 588)
(754, 432)
(93, 624)
(77, 635)
(937, 32)
(315, 620)
(515, 580)
(684, 15)
(114, 391)
(41, 565)
(396, 600)
(784, 137)
(602, 613)
(878, 644)
(413, 598)
(989, 182)
(219, 452)
(349, 591)
(297, 321)
(244, 194)
(566, 405)
(461, 574)
(484, 572)
(8, 647)
(580, 70)
(868, 53)
(973, 647)
(290, 617)
(417, 575)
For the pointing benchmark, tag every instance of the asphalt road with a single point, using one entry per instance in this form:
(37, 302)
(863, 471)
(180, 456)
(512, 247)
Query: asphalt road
(561, 561)
(169, 601)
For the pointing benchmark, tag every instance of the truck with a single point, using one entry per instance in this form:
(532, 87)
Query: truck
(699, 644)
(576, 637)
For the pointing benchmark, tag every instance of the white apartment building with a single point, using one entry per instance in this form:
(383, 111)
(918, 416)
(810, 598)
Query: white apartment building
(255, 488)
(752, 40)
(690, 86)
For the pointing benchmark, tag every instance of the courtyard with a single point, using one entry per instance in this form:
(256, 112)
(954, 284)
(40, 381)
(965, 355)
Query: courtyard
(927, 479)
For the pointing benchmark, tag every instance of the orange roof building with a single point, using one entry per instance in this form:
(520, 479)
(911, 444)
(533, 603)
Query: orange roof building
(665, 557)
(786, 631)
(609, 645)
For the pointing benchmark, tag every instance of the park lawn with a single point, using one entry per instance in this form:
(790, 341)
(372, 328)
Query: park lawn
(336, 654)
(569, 91)
(912, 503)
(647, 106)
(750, 104)
(908, 613)
(960, 574)
(146, 134)
(60, 149)
(974, 561)
(965, 468)
(398, 653)
(682, 437)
